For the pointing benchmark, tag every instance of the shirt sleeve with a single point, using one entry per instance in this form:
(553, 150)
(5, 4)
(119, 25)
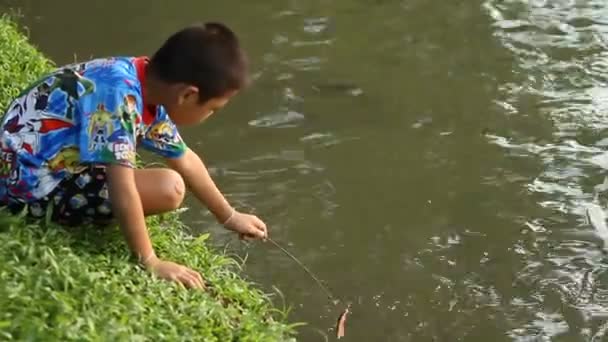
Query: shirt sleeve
(163, 138)
(108, 125)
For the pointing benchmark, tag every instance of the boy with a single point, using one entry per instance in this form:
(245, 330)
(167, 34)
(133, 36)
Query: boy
(68, 141)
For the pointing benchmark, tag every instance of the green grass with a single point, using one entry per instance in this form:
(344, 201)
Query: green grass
(20, 62)
(82, 284)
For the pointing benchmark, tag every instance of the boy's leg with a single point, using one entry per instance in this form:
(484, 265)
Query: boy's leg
(160, 190)
(84, 197)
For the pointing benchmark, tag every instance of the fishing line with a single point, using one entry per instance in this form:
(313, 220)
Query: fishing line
(327, 292)
(340, 323)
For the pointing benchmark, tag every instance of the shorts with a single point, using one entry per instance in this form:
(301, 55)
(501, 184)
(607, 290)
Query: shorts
(80, 199)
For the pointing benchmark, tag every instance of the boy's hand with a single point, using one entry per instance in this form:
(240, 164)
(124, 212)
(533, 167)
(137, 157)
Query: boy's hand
(171, 271)
(197, 177)
(128, 208)
(246, 225)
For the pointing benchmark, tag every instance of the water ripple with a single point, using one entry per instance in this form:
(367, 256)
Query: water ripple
(560, 50)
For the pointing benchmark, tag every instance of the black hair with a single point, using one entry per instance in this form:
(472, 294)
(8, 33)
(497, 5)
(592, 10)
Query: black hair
(207, 56)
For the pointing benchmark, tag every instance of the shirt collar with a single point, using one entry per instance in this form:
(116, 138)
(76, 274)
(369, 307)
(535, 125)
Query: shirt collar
(149, 113)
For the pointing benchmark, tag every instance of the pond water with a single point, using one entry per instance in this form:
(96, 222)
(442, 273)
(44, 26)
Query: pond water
(438, 163)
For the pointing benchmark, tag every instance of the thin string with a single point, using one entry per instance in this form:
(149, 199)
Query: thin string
(331, 297)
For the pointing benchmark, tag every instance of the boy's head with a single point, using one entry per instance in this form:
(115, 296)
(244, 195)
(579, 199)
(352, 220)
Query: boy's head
(201, 67)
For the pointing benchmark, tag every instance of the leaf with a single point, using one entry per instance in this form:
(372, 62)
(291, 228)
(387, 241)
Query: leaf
(342, 322)
(202, 238)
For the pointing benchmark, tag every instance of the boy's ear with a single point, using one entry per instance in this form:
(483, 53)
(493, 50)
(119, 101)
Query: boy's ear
(188, 93)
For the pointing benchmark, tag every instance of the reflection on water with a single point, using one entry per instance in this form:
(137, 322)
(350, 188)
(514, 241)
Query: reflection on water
(561, 52)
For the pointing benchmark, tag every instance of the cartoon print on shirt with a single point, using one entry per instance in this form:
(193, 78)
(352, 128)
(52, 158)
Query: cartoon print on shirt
(129, 116)
(45, 182)
(30, 103)
(68, 80)
(100, 128)
(51, 131)
(7, 163)
(161, 134)
(81, 67)
(42, 98)
(26, 135)
(26, 120)
(67, 159)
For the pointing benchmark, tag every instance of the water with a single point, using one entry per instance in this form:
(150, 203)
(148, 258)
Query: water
(438, 163)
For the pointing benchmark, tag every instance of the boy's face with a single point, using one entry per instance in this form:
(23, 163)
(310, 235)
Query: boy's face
(186, 109)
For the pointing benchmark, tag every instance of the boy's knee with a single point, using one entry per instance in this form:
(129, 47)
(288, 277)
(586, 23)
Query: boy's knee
(174, 189)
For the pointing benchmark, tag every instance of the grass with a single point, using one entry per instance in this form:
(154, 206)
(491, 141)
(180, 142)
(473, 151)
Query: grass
(20, 62)
(82, 284)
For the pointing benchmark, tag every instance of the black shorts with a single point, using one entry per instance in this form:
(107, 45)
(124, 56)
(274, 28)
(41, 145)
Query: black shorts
(80, 199)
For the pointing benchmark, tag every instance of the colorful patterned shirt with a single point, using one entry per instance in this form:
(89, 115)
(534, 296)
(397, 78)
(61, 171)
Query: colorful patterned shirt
(81, 114)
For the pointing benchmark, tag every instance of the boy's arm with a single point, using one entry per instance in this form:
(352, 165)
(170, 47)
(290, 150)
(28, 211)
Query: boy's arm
(196, 176)
(127, 208)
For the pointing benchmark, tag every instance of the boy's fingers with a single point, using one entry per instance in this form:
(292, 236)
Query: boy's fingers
(191, 280)
(198, 277)
(260, 233)
(264, 231)
(254, 231)
(260, 224)
(185, 280)
(263, 228)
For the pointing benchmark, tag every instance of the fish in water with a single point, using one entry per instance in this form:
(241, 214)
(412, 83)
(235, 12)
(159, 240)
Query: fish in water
(341, 322)
(596, 216)
(338, 87)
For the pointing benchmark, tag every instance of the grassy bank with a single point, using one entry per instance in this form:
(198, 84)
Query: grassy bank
(58, 284)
